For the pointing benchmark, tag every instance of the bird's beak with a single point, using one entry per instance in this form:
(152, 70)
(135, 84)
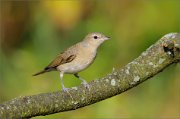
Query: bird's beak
(107, 38)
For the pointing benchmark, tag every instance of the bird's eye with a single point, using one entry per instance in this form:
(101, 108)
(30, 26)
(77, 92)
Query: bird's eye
(95, 37)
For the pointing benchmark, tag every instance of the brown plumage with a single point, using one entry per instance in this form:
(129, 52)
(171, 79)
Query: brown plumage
(63, 58)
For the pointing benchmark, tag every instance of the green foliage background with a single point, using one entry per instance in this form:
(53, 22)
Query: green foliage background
(33, 33)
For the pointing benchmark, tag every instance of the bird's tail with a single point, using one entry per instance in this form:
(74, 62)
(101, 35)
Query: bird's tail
(41, 72)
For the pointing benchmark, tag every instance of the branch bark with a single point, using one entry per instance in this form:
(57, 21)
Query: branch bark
(152, 61)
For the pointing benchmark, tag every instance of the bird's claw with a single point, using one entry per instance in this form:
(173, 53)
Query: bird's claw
(65, 89)
(86, 85)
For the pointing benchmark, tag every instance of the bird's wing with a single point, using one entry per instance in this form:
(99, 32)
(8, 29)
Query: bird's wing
(62, 58)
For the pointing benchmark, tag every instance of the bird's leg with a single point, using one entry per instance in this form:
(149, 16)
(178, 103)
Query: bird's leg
(83, 81)
(62, 82)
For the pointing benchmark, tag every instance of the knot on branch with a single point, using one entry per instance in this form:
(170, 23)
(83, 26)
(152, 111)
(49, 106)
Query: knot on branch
(171, 45)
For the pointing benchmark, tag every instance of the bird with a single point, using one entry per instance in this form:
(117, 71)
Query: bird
(76, 58)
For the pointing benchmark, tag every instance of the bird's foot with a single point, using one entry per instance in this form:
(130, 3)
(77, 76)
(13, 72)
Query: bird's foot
(86, 85)
(65, 89)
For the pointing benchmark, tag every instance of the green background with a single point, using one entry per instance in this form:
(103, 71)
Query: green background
(33, 33)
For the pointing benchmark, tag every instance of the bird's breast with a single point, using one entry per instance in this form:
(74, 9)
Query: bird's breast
(81, 62)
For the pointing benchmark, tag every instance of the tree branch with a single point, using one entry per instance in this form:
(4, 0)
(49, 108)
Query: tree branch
(156, 58)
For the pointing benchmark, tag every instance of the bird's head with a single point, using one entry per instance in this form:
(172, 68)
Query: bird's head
(96, 38)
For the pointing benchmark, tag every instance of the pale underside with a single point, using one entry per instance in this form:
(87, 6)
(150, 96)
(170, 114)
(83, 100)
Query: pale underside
(73, 60)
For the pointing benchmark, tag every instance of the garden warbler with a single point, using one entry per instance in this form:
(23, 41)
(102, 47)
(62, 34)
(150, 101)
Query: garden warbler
(76, 58)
